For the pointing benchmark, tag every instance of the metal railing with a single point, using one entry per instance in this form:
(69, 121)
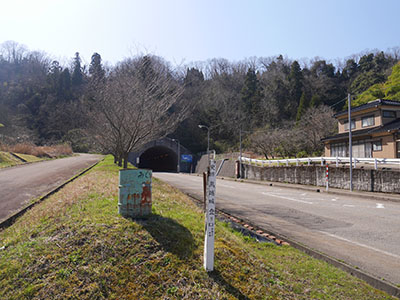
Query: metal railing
(322, 160)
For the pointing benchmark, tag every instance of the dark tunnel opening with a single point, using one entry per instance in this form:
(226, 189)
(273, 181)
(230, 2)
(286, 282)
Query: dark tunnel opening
(159, 159)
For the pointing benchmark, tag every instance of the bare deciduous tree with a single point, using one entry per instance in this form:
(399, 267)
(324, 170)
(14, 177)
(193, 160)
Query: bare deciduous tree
(265, 142)
(316, 123)
(139, 102)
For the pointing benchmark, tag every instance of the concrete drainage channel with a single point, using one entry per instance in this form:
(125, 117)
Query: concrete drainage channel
(263, 235)
(11, 219)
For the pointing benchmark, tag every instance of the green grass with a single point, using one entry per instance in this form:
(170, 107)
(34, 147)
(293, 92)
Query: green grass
(29, 158)
(8, 160)
(74, 245)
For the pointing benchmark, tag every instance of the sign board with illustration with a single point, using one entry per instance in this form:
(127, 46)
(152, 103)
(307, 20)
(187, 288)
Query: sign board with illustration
(134, 198)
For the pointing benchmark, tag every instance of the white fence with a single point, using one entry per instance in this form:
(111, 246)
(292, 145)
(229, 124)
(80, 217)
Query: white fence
(322, 160)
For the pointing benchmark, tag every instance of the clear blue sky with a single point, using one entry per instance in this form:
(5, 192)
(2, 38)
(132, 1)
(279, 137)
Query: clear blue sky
(197, 30)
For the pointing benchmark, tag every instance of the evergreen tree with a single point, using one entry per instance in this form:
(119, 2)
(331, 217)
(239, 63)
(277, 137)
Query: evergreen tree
(303, 105)
(296, 81)
(77, 75)
(315, 101)
(251, 97)
(64, 91)
(295, 87)
(96, 70)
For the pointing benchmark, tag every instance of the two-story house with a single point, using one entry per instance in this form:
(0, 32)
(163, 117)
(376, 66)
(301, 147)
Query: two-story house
(375, 131)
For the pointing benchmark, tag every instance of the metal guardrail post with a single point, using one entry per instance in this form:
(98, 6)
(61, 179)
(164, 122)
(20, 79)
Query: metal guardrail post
(376, 164)
(327, 177)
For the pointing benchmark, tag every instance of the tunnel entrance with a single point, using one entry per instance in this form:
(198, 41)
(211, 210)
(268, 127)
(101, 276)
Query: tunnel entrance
(159, 159)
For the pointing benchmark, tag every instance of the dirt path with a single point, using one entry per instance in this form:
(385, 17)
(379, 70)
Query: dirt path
(20, 184)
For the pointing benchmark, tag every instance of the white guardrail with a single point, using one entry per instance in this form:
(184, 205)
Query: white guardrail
(321, 160)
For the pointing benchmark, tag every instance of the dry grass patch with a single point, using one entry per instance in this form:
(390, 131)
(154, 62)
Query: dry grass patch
(42, 151)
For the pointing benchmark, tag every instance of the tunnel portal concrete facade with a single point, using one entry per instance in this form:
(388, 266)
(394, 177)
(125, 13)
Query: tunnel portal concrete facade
(161, 156)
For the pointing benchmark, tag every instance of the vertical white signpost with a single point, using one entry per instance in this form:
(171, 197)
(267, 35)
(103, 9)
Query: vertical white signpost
(210, 219)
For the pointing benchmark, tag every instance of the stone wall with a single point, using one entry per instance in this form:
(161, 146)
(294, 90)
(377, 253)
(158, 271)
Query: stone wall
(387, 181)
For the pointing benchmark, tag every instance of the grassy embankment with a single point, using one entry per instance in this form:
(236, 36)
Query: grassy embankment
(74, 245)
(27, 153)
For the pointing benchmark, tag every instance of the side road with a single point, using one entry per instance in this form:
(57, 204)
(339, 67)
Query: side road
(21, 184)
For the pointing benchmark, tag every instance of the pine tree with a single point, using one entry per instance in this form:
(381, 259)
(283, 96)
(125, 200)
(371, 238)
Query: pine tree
(251, 97)
(303, 105)
(96, 70)
(296, 81)
(295, 87)
(77, 75)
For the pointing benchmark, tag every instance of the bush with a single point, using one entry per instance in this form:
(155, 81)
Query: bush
(302, 154)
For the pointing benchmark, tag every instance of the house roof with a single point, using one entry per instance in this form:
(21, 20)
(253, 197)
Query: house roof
(346, 134)
(393, 125)
(374, 103)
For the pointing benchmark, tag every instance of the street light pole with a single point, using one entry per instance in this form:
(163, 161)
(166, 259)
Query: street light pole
(178, 167)
(350, 143)
(208, 139)
(240, 155)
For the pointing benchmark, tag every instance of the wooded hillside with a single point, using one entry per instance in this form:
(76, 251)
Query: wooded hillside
(44, 101)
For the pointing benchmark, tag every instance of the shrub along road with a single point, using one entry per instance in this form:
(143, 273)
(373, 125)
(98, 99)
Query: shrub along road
(21, 184)
(361, 232)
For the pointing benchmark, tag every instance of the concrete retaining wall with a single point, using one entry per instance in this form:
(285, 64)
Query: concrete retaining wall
(202, 164)
(227, 169)
(387, 181)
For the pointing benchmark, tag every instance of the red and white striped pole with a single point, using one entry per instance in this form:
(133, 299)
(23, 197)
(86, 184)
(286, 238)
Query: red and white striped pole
(327, 177)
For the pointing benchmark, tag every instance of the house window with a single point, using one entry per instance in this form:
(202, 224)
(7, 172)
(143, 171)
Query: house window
(339, 150)
(389, 114)
(346, 125)
(377, 145)
(367, 121)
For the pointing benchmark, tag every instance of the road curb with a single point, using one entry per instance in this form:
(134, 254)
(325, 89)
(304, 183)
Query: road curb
(278, 239)
(11, 219)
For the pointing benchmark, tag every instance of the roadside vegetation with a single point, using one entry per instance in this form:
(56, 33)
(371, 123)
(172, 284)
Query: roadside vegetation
(11, 155)
(74, 245)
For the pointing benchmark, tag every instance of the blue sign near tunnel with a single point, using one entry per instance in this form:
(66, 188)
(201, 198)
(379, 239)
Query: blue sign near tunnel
(186, 158)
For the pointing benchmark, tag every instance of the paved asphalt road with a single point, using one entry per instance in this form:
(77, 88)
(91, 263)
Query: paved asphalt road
(362, 232)
(22, 183)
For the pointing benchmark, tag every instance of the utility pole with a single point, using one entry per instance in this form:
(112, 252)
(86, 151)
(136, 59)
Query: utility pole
(240, 155)
(178, 166)
(350, 143)
(208, 140)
